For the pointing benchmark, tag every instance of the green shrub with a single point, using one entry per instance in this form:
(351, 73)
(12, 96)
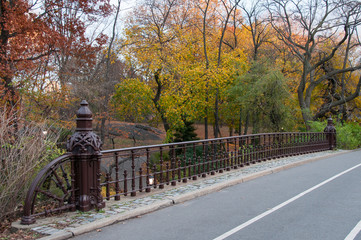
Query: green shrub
(348, 135)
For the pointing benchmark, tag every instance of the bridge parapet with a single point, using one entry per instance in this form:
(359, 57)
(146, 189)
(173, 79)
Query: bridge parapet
(81, 178)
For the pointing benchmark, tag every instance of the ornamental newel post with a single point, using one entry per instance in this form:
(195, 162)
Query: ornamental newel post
(330, 130)
(85, 147)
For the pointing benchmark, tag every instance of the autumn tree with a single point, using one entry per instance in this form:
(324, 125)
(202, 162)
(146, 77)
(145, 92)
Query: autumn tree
(306, 27)
(161, 45)
(217, 15)
(35, 34)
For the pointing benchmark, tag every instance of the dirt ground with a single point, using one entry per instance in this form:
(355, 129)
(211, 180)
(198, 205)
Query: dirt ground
(123, 134)
(200, 131)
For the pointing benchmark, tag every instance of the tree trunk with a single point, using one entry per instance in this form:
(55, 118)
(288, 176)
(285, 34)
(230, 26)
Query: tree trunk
(206, 128)
(102, 129)
(246, 124)
(216, 117)
(240, 122)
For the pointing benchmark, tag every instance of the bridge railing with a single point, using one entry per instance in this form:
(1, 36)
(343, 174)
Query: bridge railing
(83, 177)
(137, 169)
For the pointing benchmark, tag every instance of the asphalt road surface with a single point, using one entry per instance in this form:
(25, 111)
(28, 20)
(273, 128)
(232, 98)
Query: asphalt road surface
(319, 200)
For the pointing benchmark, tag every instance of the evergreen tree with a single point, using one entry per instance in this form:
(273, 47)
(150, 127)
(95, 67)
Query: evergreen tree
(186, 132)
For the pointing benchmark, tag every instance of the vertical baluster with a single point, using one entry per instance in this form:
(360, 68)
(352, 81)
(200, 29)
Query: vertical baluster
(279, 145)
(216, 164)
(194, 177)
(220, 161)
(133, 192)
(264, 148)
(161, 182)
(204, 164)
(241, 151)
(117, 188)
(199, 165)
(228, 157)
(155, 176)
(213, 159)
(209, 159)
(288, 145)
(282, 152)
(308, 142)
(125, 183)
(204, 170)
(184, 170)
(247, 151)
(250, 155)
(148, 171)
(297, 142)
(189, 164)
(303, 143)
(285, 154)
(291, 144)
(258, 148)
(107, 188)
(167, 173)
(235, 154)
(140, 179)
(269, 147)
(261, 145)
(253, 144)
(173, 166)
(179, 170)
(224, 160)
(275, 143)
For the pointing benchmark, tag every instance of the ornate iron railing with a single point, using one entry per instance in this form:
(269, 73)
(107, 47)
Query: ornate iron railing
(137, 169)
(85, 175)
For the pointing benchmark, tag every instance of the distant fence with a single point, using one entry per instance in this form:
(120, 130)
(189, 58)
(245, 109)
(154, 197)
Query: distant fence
(83, 177)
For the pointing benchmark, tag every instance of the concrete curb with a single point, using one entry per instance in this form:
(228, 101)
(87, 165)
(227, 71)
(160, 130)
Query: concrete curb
(121, 217)
(58, 236)
(65, 234)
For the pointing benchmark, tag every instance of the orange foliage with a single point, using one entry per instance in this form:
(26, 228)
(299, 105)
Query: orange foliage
(31, 32)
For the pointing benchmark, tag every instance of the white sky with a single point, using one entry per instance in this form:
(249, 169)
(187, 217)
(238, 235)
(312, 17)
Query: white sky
(106, 25)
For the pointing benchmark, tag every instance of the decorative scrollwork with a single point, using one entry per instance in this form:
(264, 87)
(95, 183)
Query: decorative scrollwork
(51, 191)
(84, 142)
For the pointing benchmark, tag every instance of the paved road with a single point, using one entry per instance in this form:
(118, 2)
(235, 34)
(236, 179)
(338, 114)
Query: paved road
(319, 200)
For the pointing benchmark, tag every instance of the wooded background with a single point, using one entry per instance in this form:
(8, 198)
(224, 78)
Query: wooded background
(253, 66)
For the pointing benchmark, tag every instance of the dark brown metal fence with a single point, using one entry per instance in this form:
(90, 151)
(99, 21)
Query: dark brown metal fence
(154, 166)
(81, 178)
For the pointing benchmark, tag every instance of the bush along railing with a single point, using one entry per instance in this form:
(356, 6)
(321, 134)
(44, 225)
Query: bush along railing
(81, 178)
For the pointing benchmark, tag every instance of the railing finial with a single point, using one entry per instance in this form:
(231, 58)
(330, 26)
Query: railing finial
(331, 133)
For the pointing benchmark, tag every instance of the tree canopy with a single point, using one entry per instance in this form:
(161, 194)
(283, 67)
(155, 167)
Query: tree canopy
(252, 66)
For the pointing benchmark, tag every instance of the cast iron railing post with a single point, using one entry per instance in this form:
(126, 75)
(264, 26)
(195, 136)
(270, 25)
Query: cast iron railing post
(330, 131)
(85, 147)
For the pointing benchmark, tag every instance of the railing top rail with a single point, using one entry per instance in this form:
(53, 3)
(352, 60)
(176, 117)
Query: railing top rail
(199, 141)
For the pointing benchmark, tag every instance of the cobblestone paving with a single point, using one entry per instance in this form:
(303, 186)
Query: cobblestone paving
(78, 219)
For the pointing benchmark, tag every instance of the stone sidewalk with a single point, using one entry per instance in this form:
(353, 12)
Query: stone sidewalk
(67, 225)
